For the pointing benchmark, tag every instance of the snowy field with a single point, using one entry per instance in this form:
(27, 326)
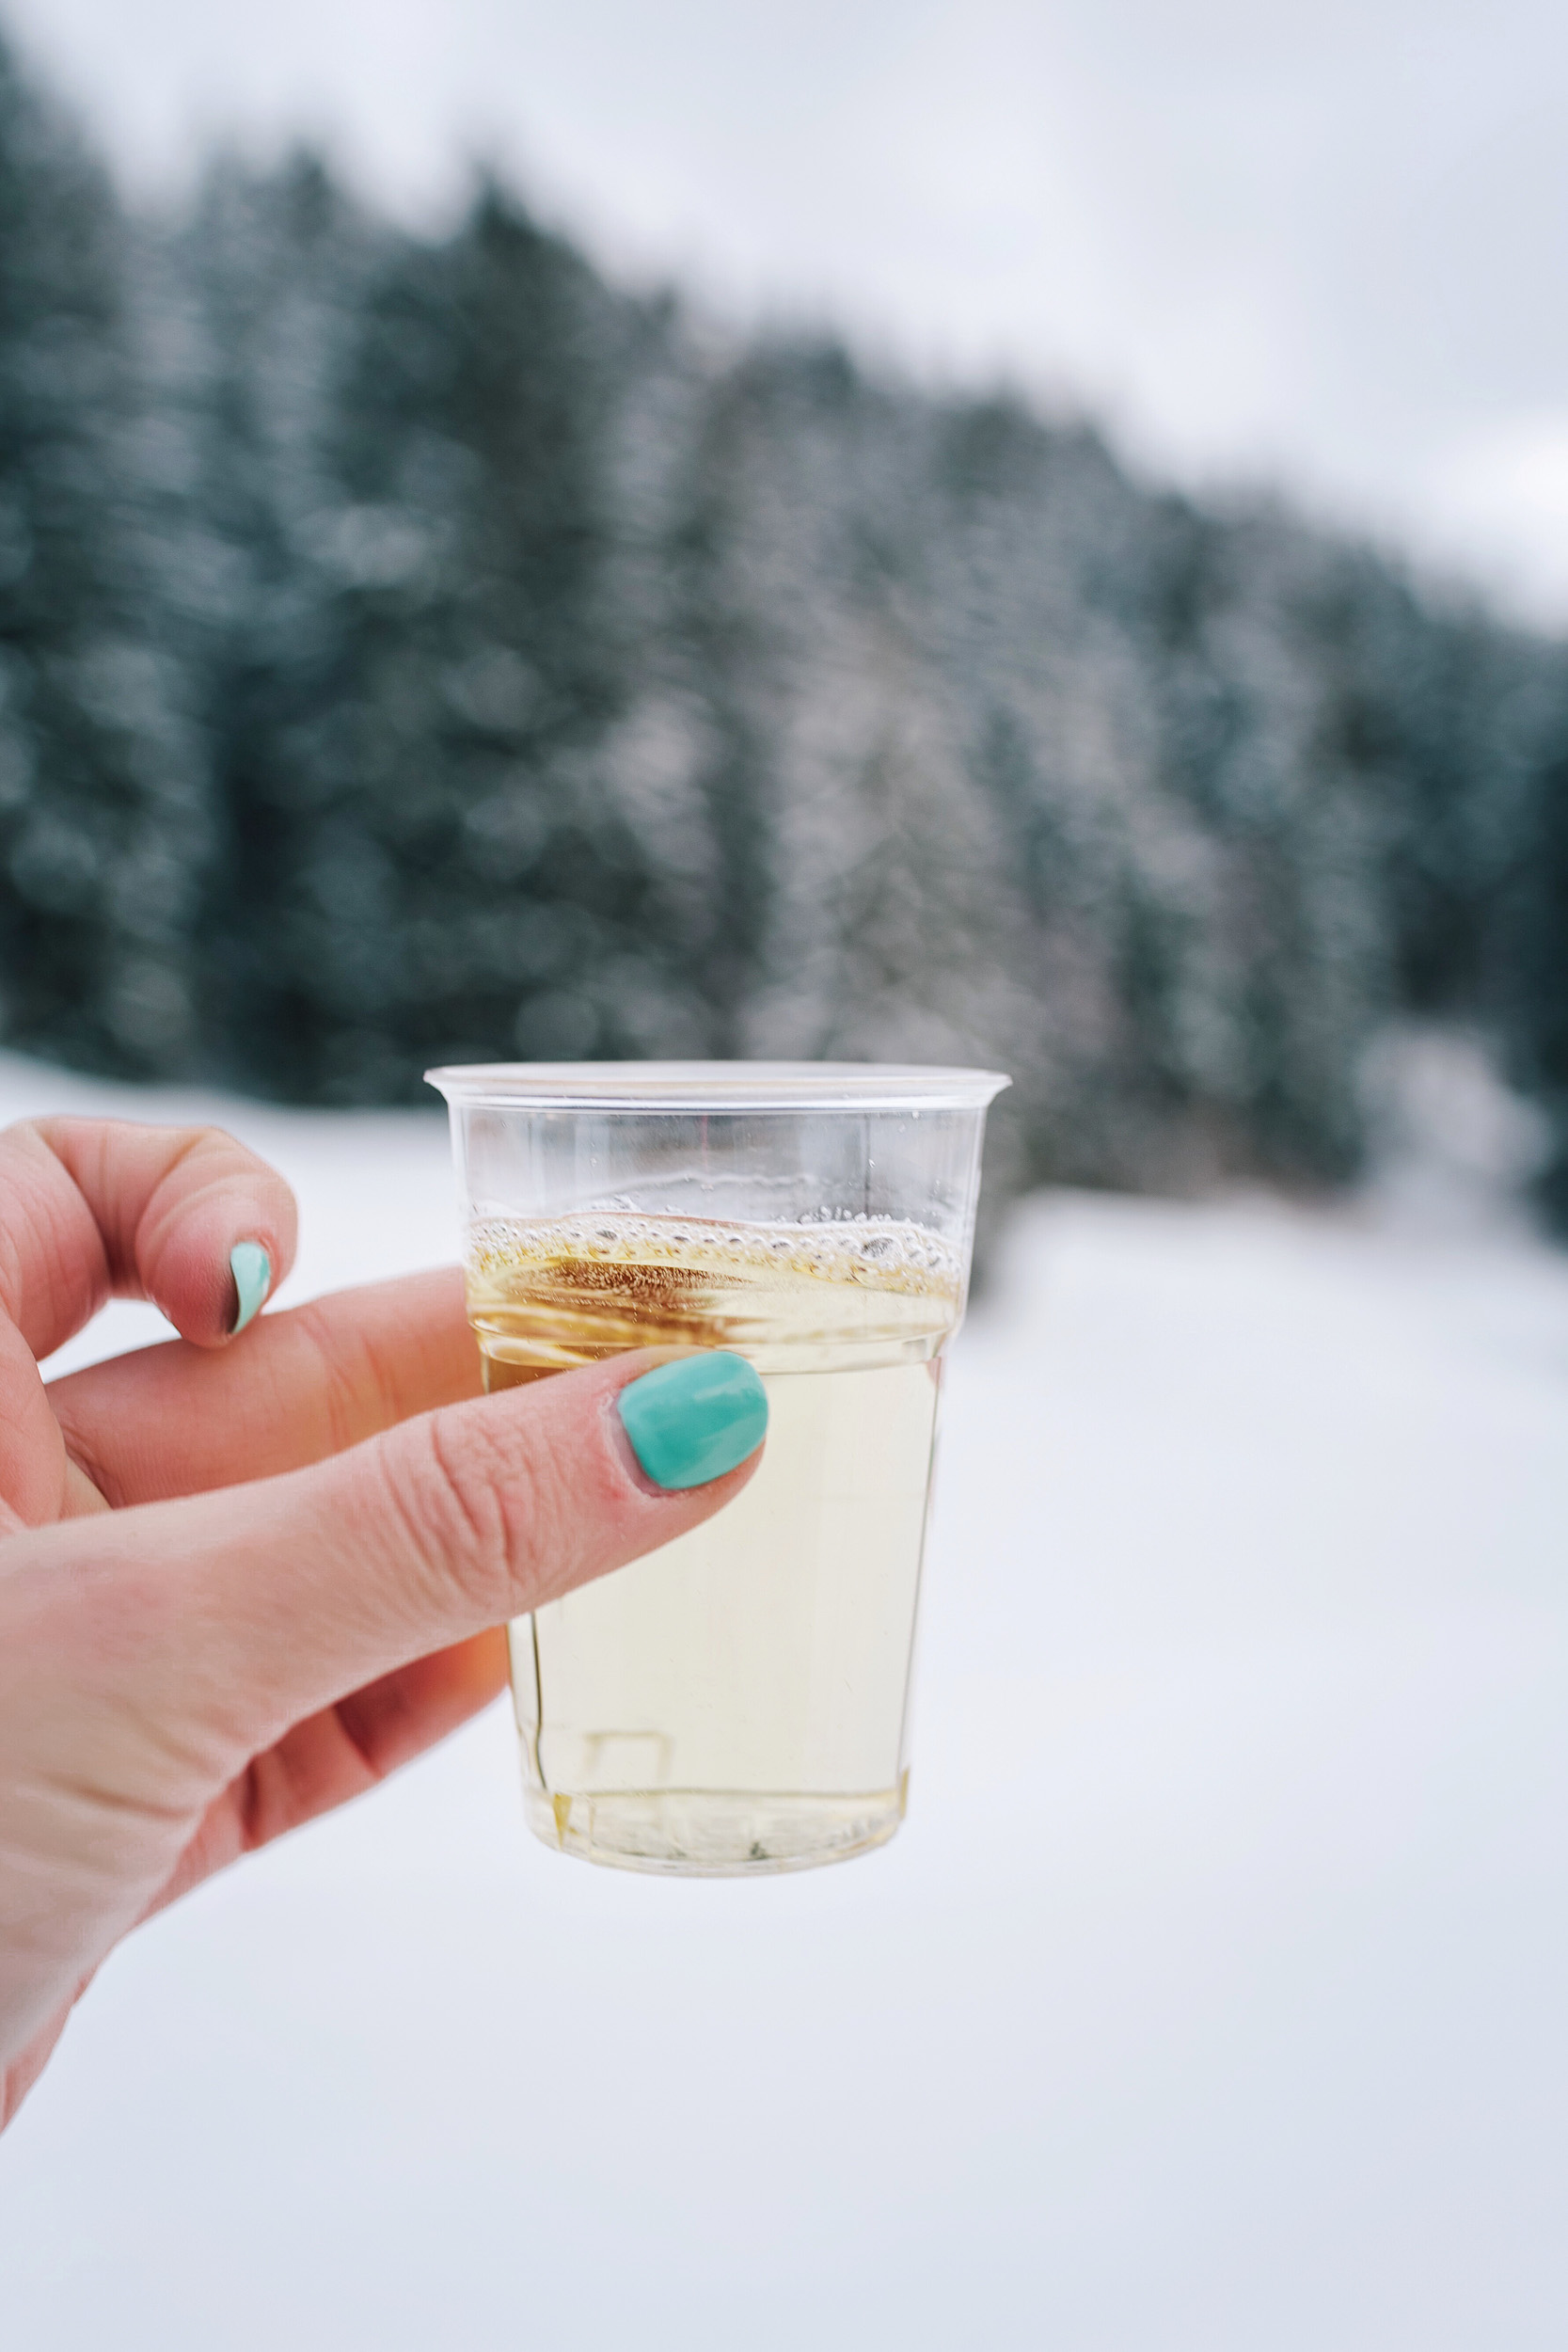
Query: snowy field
(1214, 1996)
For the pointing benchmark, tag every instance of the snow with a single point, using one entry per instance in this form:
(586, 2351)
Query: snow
(1211, 1995)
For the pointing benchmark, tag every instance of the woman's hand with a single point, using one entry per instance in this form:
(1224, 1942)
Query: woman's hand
(242, 1580)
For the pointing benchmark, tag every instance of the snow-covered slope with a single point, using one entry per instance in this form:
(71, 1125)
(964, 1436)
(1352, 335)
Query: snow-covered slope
(1212, 1996)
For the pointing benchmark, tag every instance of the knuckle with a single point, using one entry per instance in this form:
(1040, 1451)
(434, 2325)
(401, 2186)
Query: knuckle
(445, 1487)
(547, 1530)
(504, 1510)
(349, 1378)
(84, 1453)
(540, 1525)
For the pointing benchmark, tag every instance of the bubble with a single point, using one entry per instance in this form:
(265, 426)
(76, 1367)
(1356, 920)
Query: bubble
(884, 1252)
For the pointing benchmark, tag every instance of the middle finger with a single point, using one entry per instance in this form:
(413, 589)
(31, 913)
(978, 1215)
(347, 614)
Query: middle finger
(177, 1420)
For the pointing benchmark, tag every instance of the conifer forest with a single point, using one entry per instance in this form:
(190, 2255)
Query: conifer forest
(420, 649)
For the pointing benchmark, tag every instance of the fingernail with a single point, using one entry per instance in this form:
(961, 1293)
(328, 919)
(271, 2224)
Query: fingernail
(252, 1267)
(693, 1420)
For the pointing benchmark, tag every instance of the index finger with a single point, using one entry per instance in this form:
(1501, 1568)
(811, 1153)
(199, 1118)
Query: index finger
(92, 1209)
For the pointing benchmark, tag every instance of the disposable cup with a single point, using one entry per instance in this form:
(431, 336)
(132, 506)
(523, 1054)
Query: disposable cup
(736, 1701)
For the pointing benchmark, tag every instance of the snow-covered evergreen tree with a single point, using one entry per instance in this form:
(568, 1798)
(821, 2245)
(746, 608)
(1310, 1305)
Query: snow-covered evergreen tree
(416, 649)
(103, 810)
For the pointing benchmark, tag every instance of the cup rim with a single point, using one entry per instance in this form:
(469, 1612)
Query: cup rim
(715, 1086)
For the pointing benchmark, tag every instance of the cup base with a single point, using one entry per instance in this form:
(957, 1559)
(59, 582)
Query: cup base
(714, 1834)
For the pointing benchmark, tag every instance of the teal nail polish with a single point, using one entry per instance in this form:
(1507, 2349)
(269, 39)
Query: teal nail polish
(252, 1270)
(693, 1420)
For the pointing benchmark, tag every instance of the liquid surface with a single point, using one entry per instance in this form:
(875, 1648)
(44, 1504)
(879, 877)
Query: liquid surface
(738, 1700)
(571, 1290)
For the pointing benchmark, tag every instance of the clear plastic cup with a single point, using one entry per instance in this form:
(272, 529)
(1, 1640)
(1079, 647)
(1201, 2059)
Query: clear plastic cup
(738, 1700)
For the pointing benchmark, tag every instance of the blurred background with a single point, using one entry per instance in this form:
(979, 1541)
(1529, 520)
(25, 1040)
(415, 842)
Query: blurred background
(933, 535)
(1032, 534)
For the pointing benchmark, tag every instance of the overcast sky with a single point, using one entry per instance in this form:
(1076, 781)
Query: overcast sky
(1327, 244)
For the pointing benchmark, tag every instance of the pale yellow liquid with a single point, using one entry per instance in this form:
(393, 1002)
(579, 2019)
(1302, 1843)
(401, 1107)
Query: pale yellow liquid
(736, 1701)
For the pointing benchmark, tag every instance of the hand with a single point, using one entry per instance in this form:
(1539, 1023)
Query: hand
(242, 1580)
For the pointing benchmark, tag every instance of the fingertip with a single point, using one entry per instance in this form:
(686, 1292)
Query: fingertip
(224, 1261)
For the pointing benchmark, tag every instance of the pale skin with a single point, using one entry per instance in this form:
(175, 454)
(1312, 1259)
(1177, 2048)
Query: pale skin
(243, 1580)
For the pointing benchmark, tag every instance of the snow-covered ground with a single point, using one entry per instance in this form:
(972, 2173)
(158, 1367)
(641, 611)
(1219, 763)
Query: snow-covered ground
(1214, 1994)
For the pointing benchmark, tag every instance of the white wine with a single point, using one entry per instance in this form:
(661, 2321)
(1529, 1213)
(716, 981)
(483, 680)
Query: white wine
(738, 1700)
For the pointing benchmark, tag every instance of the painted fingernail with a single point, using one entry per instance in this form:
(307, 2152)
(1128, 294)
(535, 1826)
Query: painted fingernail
(252, 1267)
(691, 1421)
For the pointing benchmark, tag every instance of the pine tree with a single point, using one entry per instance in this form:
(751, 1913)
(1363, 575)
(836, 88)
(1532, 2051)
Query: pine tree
(103, 803)
(414, 649)
(1536, 978)
(425, 861)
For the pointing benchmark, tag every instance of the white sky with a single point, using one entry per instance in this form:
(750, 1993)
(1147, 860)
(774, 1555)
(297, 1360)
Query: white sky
(1327, 244)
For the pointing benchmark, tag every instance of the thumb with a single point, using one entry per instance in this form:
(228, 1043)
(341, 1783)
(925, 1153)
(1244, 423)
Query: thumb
(217, 1623)
(148, 1655)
